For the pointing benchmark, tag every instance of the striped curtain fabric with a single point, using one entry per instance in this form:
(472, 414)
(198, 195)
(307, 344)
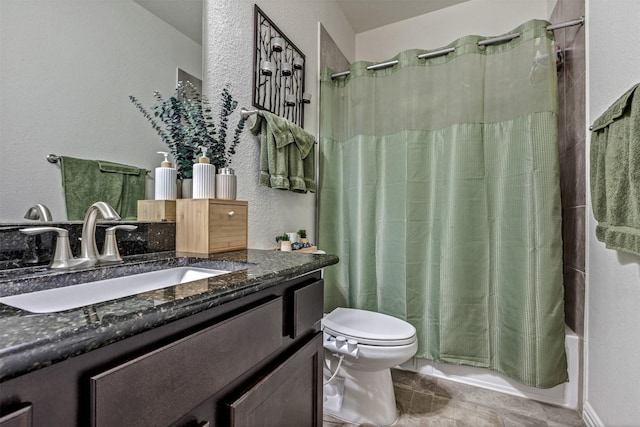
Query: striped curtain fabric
(439, 191)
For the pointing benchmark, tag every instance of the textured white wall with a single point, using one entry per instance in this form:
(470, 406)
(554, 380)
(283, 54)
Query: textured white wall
(439, 28)
(229, 59)
(613, 277)
(67, 70)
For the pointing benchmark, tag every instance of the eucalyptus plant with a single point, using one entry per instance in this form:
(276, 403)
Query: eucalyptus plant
(221, 154)
(185, 123)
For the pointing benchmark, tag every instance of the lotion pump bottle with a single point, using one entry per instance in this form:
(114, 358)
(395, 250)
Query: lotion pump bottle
(204, 178)
(166, 178)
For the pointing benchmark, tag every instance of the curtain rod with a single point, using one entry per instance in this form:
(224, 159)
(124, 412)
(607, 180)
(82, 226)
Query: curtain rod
(485, 42)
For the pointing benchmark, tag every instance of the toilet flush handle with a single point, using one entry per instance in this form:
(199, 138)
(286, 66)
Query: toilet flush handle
(352, 348)
(342, 346)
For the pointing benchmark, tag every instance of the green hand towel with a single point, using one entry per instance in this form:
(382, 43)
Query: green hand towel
(287, 159)
(279, 127)
(305, 172)
(274, 162)
(615, 175)
(88, 181)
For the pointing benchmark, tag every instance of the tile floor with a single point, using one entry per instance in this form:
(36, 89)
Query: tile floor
(429, 401)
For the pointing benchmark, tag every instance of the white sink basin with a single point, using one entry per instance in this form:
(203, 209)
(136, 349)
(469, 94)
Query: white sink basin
(75, 296)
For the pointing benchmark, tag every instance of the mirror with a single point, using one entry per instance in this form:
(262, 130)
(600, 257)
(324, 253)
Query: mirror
(68, 68)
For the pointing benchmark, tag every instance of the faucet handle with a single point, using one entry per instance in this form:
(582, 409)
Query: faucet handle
(38, 212)
(39, 230)
(63, 256)
(110, 251)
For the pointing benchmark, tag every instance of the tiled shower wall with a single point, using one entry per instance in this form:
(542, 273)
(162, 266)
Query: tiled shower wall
(330, 54)
(572, 141)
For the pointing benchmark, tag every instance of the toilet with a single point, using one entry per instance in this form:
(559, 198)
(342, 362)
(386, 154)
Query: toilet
(369, 344)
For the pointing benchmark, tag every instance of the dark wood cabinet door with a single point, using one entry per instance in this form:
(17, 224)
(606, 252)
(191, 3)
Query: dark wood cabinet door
(18, 418)
(289, 395)
(160, 387)
(304, 307)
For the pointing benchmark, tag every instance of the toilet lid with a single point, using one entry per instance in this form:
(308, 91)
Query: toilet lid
(368, 327)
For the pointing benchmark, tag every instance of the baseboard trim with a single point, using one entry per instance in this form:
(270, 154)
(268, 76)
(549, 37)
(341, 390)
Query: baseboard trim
(590, 417)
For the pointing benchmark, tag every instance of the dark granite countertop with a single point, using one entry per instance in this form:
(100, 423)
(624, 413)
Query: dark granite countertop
(31, 341)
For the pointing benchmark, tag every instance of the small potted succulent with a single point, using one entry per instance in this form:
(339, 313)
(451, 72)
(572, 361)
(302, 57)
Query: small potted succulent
(285, 243)
(303, 236)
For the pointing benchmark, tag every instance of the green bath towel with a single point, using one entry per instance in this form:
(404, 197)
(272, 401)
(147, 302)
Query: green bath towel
(88, 181)
(615, 173)
(287, 154)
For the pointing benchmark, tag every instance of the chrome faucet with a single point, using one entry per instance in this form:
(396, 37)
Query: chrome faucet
(88, 247)
(63, 257)
(38, 212)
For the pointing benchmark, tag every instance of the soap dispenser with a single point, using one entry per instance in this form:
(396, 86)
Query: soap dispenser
(166, 178)
(204, 178)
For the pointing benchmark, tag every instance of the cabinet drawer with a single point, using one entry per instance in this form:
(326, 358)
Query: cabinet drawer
(304, 307)
(163, 385)
(289, 395)
(228, 225)
(207, 226)
(18, 418)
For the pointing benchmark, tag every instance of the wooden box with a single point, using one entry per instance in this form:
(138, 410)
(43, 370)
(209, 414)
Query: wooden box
(156, 210)
(207, 226)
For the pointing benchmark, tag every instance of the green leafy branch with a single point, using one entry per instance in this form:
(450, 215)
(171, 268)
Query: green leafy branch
(188, 125)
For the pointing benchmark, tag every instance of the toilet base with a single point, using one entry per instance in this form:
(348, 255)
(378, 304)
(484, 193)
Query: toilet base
(333, 394)
(368, 397)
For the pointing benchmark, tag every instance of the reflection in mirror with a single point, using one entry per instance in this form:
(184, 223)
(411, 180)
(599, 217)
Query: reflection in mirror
(38, 212)
(68, 67)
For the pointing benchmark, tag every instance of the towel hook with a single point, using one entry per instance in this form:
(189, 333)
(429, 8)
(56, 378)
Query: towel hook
(244, 113)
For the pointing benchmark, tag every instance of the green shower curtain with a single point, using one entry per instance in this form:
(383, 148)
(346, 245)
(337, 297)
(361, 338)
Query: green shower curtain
(439, 192)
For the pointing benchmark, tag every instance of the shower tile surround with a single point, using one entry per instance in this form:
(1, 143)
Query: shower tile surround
(572, 145)
(428, 401)
(330, 54)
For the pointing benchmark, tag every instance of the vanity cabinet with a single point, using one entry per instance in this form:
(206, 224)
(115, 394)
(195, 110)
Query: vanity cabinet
(18, 418)
(254, 361)
(168, 381)
(283, 397)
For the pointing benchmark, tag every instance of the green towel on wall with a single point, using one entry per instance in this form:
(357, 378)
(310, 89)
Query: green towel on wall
(88, 181)
(615, 173)
(287, 154)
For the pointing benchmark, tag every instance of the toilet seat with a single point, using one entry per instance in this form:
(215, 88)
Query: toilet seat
(368, 327)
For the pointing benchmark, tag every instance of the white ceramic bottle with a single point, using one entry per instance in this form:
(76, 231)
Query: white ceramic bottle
(204, 178)
(165, 178)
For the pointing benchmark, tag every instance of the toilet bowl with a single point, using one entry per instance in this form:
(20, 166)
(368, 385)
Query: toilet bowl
(369, 344)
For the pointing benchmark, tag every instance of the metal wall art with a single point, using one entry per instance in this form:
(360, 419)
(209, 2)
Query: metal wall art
(278, 72)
